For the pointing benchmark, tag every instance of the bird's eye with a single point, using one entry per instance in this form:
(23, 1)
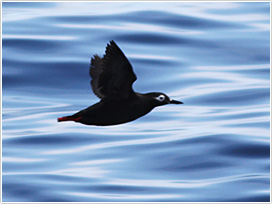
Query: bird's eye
(160, 98)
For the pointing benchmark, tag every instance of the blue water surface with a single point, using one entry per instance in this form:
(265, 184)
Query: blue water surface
(215, 57)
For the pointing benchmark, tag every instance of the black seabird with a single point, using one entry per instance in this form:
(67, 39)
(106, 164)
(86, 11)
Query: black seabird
(112, 79)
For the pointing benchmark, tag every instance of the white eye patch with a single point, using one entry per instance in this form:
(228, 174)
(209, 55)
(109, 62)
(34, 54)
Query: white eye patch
(160, 98)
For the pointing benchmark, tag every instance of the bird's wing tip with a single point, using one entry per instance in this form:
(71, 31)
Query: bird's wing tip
(112, 42)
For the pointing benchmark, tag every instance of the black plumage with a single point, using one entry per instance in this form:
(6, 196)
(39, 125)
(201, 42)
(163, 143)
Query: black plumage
(112, 78)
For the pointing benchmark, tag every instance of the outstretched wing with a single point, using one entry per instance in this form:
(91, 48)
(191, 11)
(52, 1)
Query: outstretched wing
(112, 76)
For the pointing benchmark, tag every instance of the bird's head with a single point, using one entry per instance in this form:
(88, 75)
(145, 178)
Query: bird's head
(159, 99)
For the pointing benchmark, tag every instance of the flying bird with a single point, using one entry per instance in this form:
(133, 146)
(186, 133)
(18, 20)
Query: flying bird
(111, 80)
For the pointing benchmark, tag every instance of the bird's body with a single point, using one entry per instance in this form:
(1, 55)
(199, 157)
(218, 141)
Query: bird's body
(112, 79)
(113, 112)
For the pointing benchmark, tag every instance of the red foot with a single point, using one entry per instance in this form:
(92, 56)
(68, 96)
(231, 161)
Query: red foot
(61, 119)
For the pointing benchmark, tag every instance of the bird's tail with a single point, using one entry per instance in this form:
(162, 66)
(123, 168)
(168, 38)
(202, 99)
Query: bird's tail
(69, 118)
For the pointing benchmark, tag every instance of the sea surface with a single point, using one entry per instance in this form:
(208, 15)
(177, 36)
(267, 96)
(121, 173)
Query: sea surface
(215, 57)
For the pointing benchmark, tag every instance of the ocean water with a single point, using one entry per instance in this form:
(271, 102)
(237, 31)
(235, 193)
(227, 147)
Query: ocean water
(215, 57)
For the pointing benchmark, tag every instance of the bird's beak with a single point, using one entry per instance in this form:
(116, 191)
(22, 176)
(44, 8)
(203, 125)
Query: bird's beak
(175, 102)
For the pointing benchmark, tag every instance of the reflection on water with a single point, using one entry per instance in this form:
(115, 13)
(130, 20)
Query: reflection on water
(212, 56)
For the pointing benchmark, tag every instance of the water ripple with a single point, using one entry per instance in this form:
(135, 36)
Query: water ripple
(213, 56)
